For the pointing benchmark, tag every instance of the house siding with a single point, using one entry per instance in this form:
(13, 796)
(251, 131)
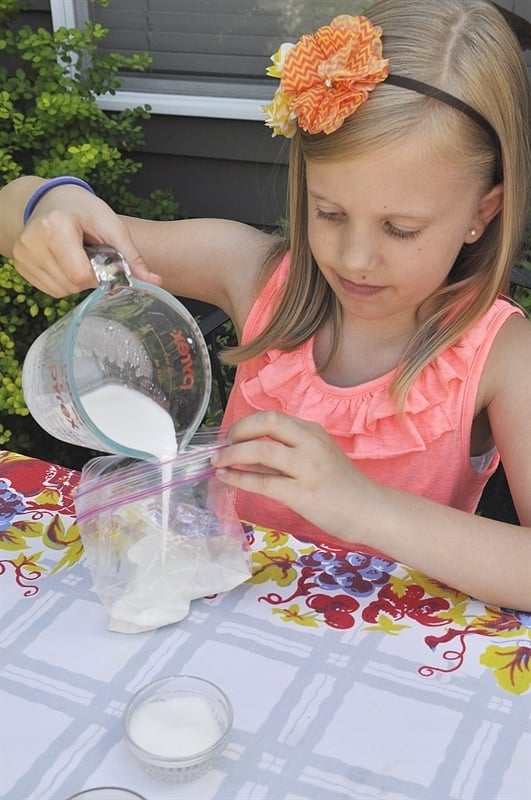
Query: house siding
(231, 169)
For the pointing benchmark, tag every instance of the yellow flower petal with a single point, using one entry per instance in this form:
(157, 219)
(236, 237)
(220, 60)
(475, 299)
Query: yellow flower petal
(279, 117)
(278, 60)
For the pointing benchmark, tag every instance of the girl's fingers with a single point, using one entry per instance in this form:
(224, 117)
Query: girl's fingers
(142, 272)
(290, 431)
(271, 453)
(261, 455)
(268, 484)
(61, 266)
(54, 274)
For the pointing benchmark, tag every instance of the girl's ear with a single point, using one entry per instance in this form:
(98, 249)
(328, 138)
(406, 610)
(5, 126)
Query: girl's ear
(488, 207)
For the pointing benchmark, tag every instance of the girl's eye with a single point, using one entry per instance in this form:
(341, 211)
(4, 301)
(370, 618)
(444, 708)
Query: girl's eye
(329, 216)
(399, 232)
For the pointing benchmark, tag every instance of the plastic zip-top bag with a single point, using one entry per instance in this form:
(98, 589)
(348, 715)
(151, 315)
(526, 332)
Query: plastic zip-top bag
(158, 535)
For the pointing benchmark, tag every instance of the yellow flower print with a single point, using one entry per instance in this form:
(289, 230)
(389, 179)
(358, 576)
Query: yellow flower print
(511, 666)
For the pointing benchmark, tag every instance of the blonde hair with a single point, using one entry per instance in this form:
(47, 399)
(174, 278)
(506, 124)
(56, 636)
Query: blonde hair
(466, 48)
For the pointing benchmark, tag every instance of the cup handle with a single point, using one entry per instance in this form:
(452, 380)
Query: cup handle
(109, 265)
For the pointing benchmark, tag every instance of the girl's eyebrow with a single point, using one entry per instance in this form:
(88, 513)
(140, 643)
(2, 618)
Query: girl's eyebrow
(415, 216)
(319, 196)
(408, 214)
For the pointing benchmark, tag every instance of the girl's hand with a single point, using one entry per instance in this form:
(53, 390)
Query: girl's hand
(49, 250)
(297, 463)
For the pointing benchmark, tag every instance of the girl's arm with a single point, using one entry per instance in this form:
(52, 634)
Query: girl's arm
(48, 250)
(213, 260)
(297, 463)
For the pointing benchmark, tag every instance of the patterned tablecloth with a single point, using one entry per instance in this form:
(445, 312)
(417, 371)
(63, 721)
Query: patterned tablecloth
(351, 676)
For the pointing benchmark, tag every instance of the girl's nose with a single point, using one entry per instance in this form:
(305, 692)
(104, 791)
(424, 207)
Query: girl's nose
(359, 254)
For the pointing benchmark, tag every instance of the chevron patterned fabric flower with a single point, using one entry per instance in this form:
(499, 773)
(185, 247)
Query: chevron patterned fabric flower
(326, 76)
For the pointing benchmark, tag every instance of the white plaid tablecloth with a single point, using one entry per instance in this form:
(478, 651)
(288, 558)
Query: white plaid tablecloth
(350, 676)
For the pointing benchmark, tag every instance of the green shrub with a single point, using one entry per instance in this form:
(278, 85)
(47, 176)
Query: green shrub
(51, 124)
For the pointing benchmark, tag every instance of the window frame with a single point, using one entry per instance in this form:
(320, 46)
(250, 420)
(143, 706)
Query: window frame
(211, 104)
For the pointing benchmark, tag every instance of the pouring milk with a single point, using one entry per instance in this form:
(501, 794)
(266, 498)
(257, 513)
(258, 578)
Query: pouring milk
(136, 421)
(180, 563)
(132, 419)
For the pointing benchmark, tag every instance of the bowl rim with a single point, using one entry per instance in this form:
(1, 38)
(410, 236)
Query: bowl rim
(178, 761)
(84, 793)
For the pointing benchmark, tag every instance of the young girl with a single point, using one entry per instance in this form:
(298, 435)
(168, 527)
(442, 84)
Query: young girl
(380, 378)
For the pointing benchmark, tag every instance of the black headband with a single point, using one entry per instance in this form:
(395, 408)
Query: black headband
(455, 102)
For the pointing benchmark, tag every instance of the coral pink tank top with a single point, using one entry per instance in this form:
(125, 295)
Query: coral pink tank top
(426, 451)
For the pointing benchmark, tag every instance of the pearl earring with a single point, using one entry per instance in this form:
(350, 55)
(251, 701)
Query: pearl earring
(473, 231)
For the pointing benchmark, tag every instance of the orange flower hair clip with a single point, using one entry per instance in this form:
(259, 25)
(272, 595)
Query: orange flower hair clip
(326, 76)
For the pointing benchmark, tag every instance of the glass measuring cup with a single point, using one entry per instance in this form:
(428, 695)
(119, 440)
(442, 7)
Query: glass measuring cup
(126, 335)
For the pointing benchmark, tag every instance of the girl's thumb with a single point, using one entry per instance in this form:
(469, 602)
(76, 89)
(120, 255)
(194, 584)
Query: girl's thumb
(141, 271)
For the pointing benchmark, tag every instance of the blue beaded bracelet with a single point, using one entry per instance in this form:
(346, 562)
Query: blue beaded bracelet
(45, 187)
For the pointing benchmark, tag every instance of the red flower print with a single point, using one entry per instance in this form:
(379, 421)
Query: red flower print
(337, 611)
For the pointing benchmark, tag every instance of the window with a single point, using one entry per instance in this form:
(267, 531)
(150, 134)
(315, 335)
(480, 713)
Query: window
(209, 57)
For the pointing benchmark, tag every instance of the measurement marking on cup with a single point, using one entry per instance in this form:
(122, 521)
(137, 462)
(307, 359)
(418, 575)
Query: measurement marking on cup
(183, 348)
(57, 387)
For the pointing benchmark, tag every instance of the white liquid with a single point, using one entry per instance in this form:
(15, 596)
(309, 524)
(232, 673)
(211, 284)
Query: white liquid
(136, 421)
(178, 727)
(132, 419)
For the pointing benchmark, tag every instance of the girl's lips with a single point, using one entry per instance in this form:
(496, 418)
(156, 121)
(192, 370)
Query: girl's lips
(360, 289)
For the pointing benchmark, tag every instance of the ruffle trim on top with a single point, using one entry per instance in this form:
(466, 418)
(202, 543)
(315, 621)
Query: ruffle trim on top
(363, 419)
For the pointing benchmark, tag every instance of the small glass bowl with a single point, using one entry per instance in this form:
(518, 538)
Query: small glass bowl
(181, 689)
